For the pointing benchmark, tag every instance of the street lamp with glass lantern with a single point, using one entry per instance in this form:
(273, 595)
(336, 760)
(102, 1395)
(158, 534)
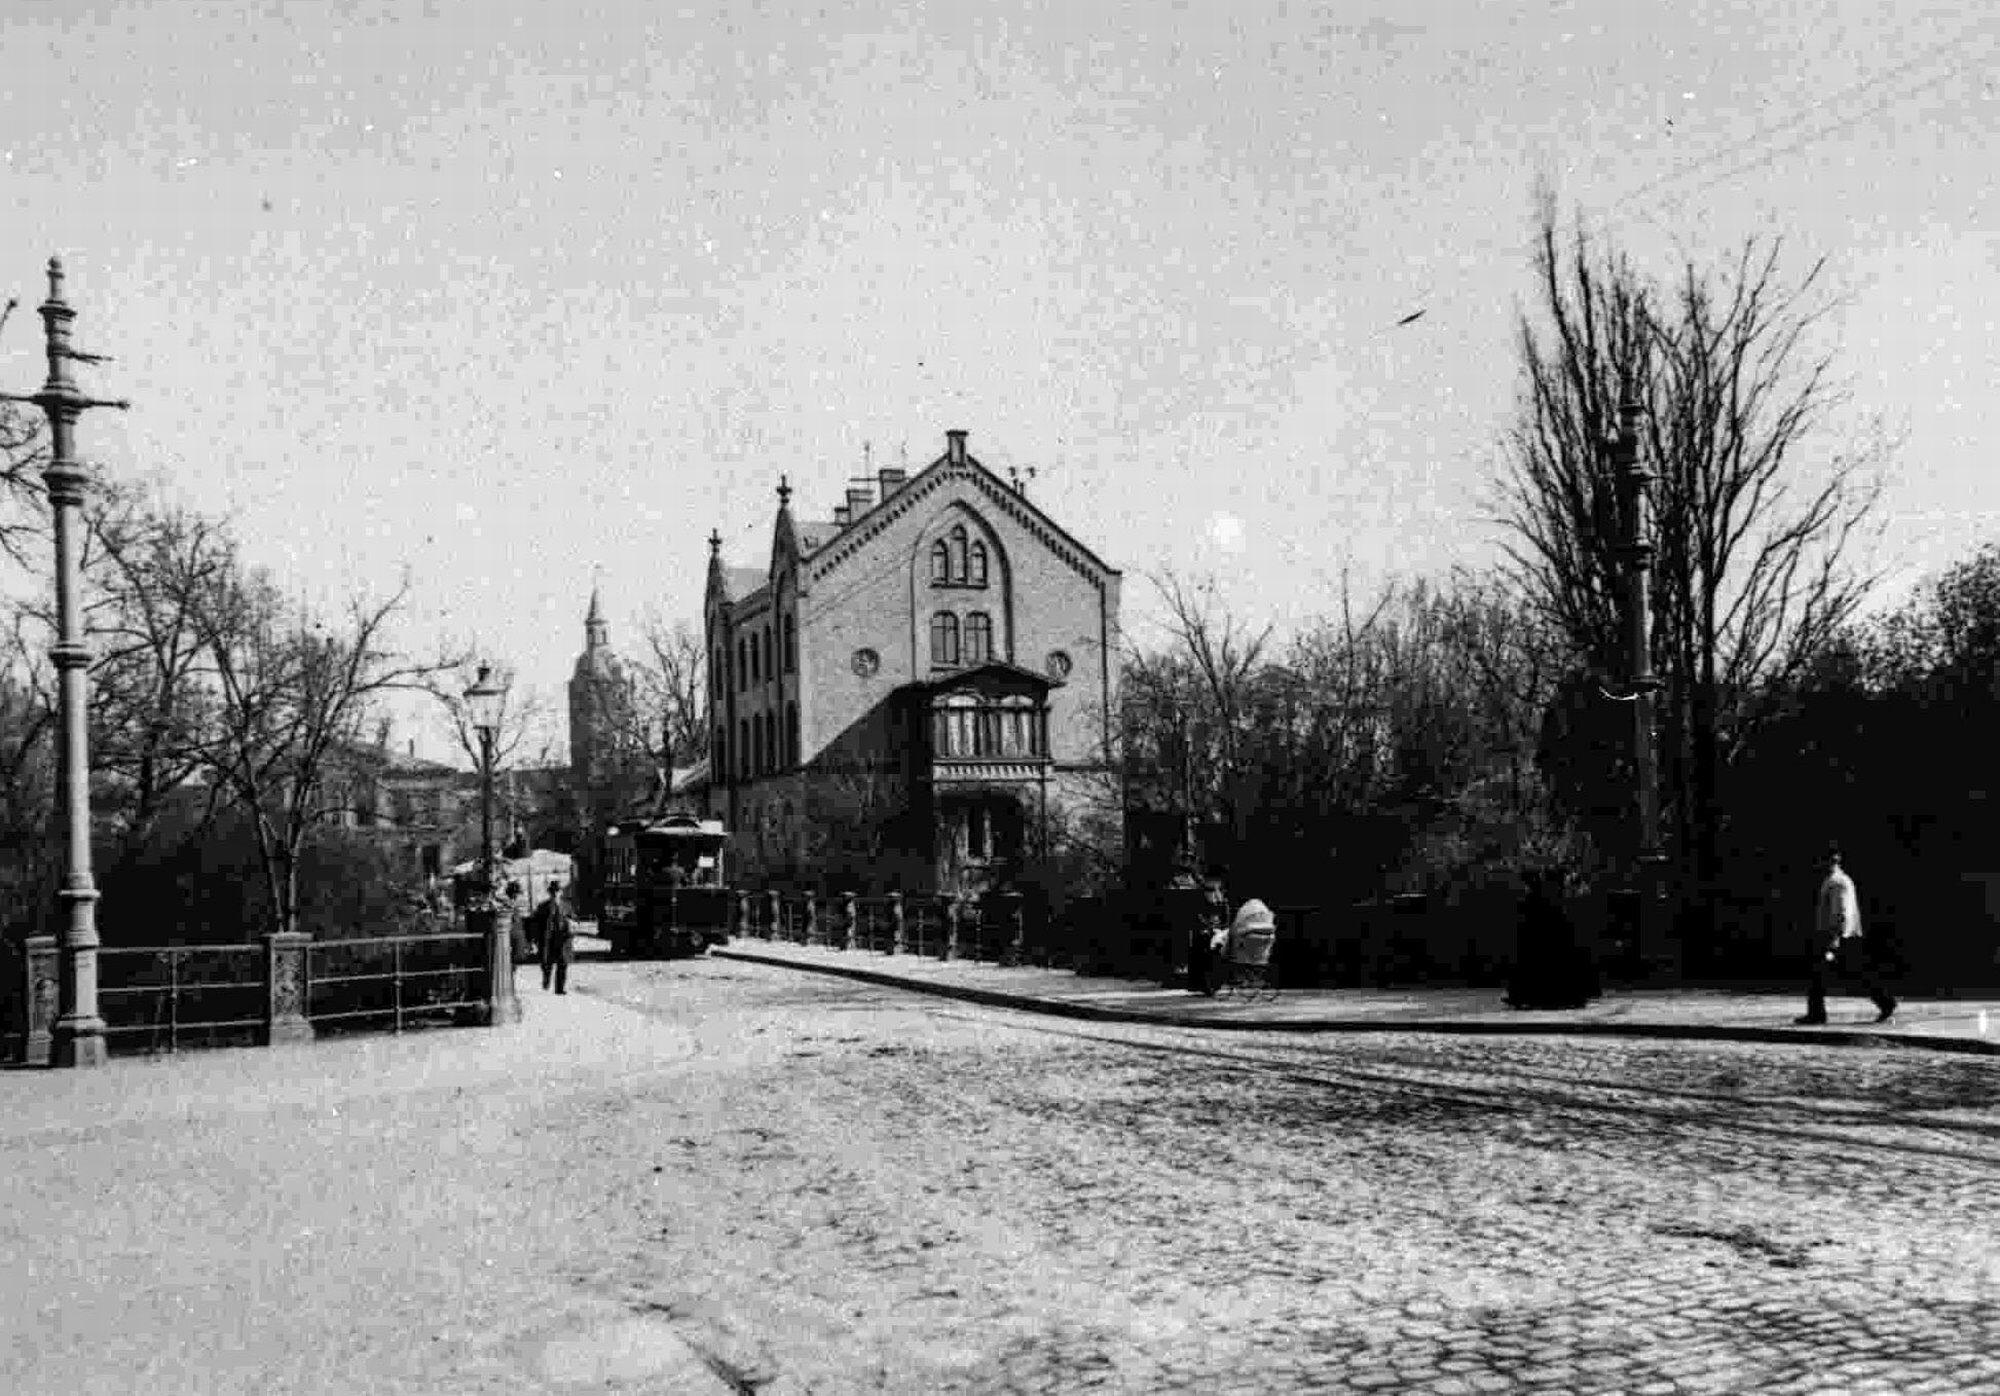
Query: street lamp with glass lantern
(483, 702)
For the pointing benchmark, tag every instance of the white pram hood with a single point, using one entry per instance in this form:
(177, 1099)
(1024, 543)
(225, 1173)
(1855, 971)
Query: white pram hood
(1253, 915)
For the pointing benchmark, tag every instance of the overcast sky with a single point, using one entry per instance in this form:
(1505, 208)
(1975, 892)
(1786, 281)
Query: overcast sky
(504, 291)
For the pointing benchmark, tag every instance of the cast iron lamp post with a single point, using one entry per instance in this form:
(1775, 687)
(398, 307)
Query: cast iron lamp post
(78, 1036)
(484, 700)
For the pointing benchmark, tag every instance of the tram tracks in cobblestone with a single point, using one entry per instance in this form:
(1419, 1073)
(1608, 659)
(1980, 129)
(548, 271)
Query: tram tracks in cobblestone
(1514, 1088)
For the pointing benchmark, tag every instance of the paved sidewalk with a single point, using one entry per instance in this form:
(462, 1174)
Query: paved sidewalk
(362, 1214)
(1955, 1025)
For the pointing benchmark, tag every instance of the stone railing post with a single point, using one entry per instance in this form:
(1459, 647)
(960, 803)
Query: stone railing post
(502, 1004)
(286, 988)
(1017, 939)
(776, 908)
(897, 943)
(744, 926)
(951, 920)
(38, 1002)
(850, 913)
(809, 923)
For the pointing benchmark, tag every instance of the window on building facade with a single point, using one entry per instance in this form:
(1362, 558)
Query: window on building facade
(770, 741)
(770, 668)
(718, 756)
(791, 734)
(743, 748)
(791, 646)
(1012, 728)
(742, 663)
(756, 663)
(958, 537)
(718, 672)
(940, 562)
(993, 829)
(978, 638)
(944, 638)
(976, 576)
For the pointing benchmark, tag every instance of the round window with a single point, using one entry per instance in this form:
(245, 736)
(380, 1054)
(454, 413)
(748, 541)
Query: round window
(866, 663)
(1058, 664)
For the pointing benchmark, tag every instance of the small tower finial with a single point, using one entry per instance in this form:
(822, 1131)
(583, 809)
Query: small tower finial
(715, 542)
(784, 492)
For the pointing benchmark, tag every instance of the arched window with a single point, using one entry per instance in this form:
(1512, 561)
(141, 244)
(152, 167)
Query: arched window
(770, 668)
(718, 671)
(940, 562)
(977, 576)
(958, 553)
(978, 638)
(742, 663)
(743, 748)
(718, 756)
(791, 734)
(944, 638)
(756, 661)
(791, 646)
(770, 741)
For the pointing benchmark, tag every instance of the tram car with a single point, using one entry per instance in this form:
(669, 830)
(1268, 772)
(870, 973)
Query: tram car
(665, 889)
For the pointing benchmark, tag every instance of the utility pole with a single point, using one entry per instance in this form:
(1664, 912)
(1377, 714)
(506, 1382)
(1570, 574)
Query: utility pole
(1628, 456)
(78, 1036)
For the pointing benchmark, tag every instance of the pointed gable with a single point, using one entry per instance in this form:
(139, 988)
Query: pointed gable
(956, 469)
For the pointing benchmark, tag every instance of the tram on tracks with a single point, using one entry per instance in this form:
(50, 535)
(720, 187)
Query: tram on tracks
(666, 889)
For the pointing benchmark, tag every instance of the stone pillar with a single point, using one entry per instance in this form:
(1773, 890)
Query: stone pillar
(1017, 925)
(502, 1004)
(897, 943)
(952, 950)
(777, 910)
(286, 988)
(809, 925)
(744, 927)
(851, 914)
(39, 967)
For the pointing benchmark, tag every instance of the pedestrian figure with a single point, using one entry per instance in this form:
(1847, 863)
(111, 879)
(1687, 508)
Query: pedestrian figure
(1204, 967)
(557, 932)
(514, 909)
(1839, 947)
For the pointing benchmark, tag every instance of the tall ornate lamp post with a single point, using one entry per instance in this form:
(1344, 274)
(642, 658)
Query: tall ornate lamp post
(78, 1036)
(1628, 457)
(483, 701)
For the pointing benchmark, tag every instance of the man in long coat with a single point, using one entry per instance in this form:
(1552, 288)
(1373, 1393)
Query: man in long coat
(557, 933)
(1839, 947)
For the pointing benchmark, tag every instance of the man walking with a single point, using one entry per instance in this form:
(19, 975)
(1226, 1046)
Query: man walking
(1837, 926)
(556, 933)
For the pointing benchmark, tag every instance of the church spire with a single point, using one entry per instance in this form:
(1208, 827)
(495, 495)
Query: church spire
(594, 629)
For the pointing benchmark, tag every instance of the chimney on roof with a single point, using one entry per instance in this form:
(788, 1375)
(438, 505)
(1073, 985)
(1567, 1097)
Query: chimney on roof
(891, 479)
(860, 497)
(955, 447)
(840, 516)
(413, 747)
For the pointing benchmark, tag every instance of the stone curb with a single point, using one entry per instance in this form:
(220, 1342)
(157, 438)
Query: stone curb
(1058, 1008)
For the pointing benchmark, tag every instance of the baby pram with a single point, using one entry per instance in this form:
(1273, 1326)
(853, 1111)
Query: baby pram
(1245, 970)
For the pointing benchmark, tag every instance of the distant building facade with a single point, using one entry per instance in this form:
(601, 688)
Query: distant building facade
(911, 691)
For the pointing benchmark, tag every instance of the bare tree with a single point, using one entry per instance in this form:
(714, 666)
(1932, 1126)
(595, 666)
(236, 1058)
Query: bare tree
(293, 694)
(671, 684)
(1753, 556)
(152, 704)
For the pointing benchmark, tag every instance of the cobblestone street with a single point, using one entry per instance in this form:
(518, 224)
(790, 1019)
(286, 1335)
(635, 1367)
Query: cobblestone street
(711, 1176)
(851, 1189)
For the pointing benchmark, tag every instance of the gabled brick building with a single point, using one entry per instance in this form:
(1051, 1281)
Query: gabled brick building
(909, 691)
